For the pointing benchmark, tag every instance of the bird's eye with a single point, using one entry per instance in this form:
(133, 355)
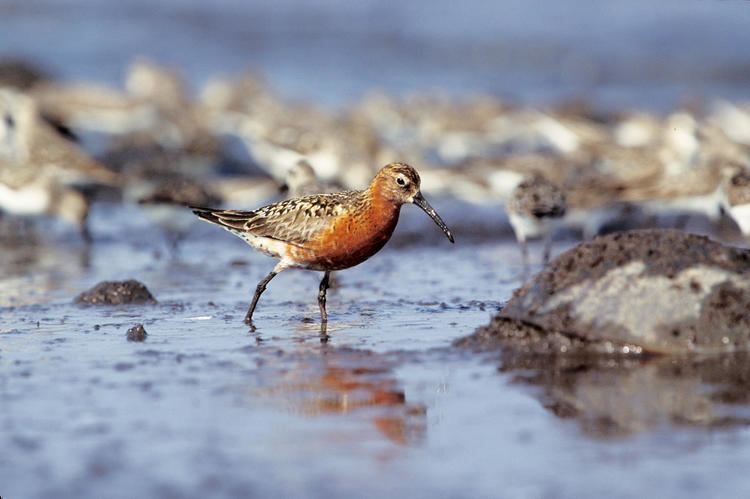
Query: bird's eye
(401, 181)
(9, 121)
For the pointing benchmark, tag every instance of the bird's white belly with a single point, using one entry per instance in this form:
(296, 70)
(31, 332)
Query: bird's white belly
(527, 227)
(741, 215)
(26, 201)
(267, 245)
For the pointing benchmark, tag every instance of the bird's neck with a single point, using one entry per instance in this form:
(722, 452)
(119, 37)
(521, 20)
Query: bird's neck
(383, 210)
(380, 198)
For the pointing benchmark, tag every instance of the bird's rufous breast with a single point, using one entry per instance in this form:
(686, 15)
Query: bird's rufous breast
(353, 237)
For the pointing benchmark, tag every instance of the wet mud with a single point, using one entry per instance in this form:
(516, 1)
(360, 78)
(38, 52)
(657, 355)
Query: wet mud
(388, 401)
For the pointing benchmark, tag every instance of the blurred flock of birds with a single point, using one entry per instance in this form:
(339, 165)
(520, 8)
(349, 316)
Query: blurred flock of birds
(564, 167)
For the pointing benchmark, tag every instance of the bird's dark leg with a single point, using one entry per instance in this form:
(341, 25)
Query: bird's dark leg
(259, 291)
(525, 257)
(524, 252)
(86, 235)
(322, 296)
(84, 222)
(173, 241)
(547, 248)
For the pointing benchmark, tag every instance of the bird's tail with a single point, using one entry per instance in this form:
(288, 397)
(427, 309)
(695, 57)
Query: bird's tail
(229, 219)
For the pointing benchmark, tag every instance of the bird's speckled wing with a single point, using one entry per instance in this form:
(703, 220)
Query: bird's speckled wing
(54, 159)
(296, 221)
(66, 161)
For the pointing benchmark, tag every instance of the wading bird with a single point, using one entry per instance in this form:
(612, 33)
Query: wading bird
(326, 232)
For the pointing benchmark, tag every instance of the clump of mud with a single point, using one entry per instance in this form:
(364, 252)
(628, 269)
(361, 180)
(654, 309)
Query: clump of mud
(117, 293)
(658, 291)
(137, 333)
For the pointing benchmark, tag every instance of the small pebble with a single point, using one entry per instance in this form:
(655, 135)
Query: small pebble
(137, 333)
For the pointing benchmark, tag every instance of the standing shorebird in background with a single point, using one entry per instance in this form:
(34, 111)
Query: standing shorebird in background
(41, 172)
(300, 180)
(326, 232)
(535, 208)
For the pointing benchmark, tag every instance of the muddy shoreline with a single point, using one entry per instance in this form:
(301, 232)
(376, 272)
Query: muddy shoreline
(388, 391)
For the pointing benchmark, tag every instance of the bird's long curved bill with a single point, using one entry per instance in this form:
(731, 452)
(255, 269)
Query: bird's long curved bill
(420, 201)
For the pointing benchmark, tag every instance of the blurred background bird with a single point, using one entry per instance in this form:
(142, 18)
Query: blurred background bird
(41, 171)
(535, 208)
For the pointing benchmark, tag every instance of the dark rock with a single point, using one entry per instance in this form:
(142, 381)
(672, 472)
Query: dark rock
(137, 333)
(116, 293)
(659, 291)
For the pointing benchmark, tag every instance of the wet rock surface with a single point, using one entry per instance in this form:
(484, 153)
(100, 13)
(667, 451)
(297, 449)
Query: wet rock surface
(658, 291)
(137, 333)
(526, 338)
(117, 293)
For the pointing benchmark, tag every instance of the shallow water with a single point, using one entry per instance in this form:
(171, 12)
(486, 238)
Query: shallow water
(386, 407)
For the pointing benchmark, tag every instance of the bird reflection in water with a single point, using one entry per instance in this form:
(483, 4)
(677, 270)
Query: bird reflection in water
(352, 383)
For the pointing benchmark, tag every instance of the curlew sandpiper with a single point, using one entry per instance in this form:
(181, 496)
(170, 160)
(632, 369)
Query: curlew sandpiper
(326, 232)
